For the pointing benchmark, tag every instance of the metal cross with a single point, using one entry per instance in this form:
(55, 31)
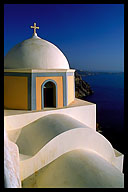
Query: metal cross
(34, 27)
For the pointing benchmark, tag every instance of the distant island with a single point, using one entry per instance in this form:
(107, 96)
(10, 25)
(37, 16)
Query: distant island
(87, 73)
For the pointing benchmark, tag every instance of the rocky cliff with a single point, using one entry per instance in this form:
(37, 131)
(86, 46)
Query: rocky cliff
(82, 88)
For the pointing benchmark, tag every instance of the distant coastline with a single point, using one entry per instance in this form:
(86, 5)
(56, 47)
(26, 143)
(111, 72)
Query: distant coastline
(88, 73)
(82, 87)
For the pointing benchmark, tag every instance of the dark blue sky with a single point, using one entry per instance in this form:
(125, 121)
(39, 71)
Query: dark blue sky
(90, 35)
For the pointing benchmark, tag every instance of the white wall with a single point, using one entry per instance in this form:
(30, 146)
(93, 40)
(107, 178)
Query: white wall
(85, 114)
(11, 164)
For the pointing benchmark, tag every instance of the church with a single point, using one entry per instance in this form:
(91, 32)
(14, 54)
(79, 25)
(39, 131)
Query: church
(50, 138)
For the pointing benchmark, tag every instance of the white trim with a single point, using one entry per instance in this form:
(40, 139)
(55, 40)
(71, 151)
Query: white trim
(39, 70)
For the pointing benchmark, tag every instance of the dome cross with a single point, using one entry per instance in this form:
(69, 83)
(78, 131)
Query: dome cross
(34, 27)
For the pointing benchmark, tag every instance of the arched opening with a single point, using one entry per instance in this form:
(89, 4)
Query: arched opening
(49, 94)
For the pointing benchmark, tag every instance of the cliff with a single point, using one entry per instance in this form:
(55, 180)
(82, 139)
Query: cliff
(82, 88)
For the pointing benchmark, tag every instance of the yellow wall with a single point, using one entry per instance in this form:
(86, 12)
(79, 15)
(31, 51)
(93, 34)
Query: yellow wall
(15, 92)
(39, 82)
(70, 89)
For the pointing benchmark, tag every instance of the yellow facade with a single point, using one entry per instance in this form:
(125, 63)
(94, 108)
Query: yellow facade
(15, 92)
(39, 82)
(70, 88)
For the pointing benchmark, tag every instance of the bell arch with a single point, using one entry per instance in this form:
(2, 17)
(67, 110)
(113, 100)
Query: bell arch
(49, 94)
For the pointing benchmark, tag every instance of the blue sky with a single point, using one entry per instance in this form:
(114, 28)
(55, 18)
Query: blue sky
(91, 36)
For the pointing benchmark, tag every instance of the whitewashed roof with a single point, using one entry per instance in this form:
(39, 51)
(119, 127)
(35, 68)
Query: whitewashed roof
(35, 53)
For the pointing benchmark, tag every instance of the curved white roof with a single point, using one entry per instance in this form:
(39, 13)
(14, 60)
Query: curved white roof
(76, 169)
(35, 53)
(45, 133)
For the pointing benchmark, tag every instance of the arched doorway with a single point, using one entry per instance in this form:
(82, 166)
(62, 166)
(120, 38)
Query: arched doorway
(49, 94)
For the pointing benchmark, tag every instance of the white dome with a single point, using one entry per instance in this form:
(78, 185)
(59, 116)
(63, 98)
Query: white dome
(35, 53)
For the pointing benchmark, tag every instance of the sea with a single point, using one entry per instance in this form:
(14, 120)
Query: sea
(109, 99)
